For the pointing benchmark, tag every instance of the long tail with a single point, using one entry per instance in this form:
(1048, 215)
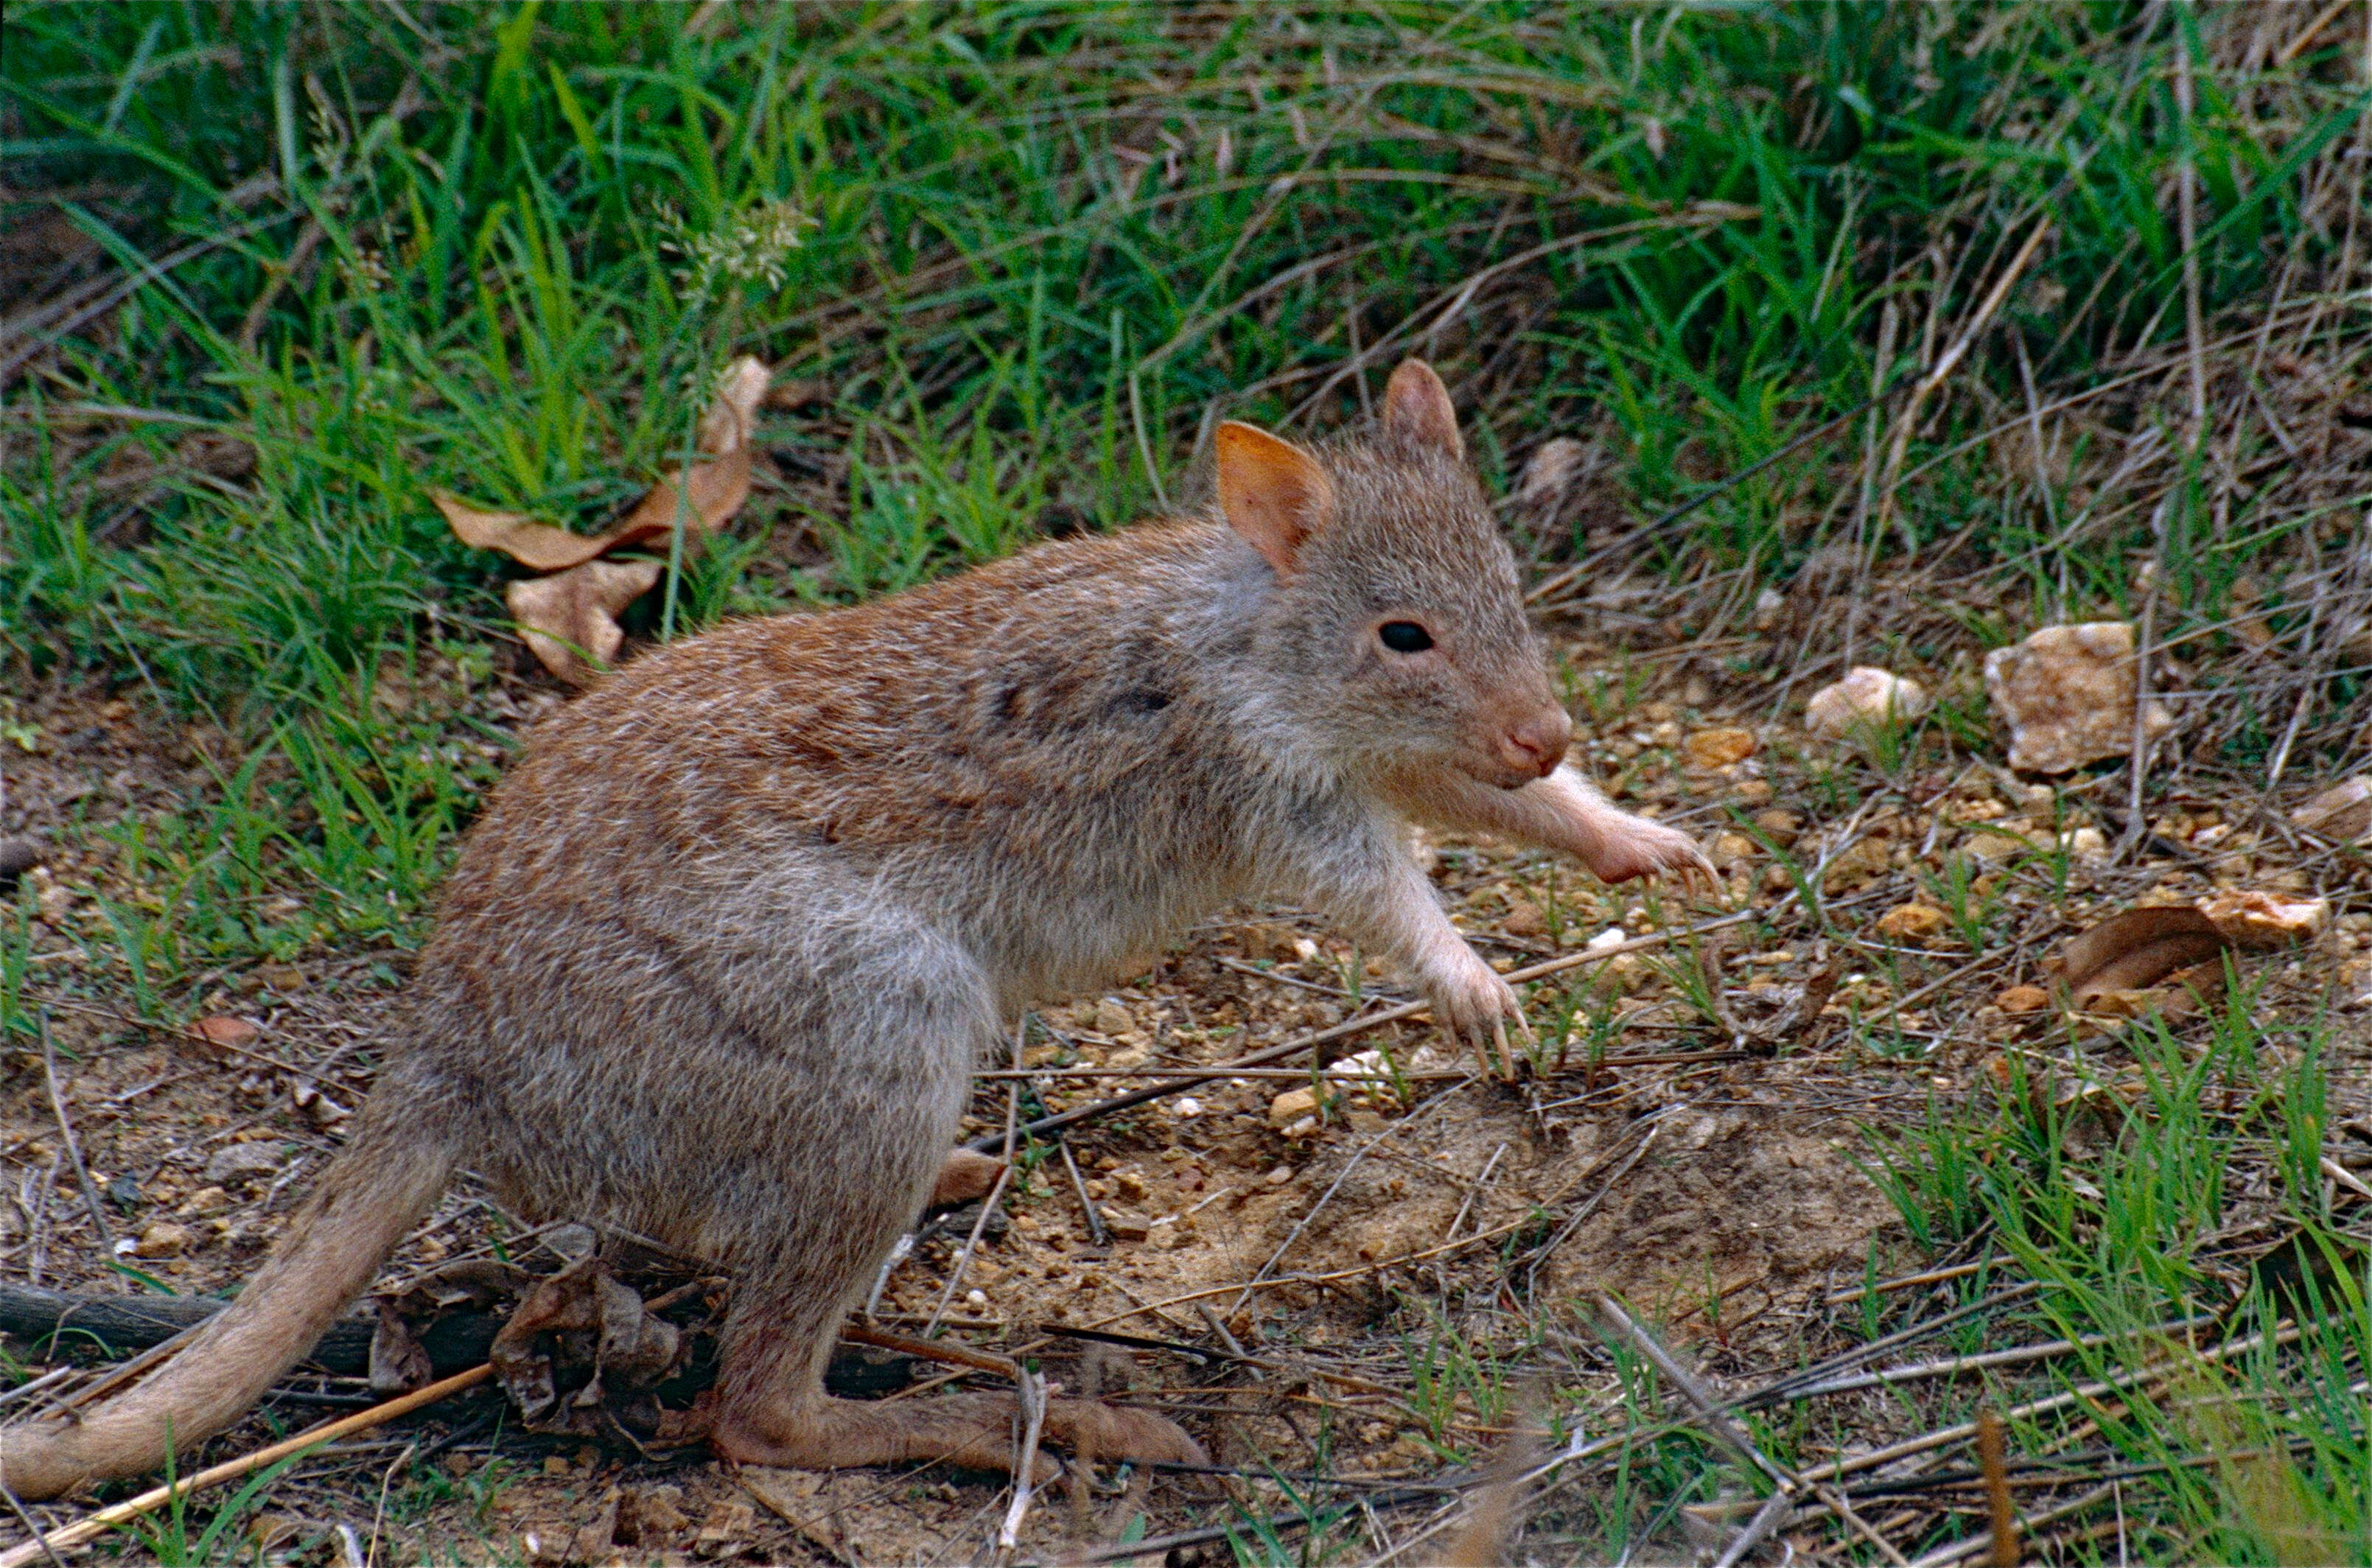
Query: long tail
(368, 1199)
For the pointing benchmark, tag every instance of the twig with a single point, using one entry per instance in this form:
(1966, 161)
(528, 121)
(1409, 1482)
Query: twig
(943, 1351)
(1960, 1551)
(98, 1523)
(33, 1530)
(2137, 764)
(1997, 1504)
(1315, 1209)
(1219, 1330)
(157, 1026)
(2140, 1379)
(1025, 1462)
(995, 1193)
(2186, 204)
(1097, 1232)
(74, 1149)
(1952, 1367)
(1712, 1419)
(1564, 578)
(1908, 420)
(1767, 1518)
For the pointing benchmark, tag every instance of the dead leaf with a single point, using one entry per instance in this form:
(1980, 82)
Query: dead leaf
(2023, 999)
(727, 424)
(805, 393)
(224, 1032)
(572, 615)
(2134, 952)
(583, 1354)
(398, 1362)
(709, 494)
(2342, 812)
(727, 1530)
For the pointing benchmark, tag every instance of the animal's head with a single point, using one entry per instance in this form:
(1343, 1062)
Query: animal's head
(1395, 629)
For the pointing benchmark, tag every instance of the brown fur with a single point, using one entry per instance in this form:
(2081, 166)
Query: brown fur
(719, 961)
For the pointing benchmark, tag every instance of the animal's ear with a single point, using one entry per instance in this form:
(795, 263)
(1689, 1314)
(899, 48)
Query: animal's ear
(1417, 410)
(1272, 492)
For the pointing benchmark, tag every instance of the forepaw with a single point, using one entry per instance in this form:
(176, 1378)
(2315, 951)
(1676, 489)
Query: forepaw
(1481, 1009)
(1637, 847)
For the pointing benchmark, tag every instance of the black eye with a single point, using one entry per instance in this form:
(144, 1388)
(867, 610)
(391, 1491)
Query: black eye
(1404, 636)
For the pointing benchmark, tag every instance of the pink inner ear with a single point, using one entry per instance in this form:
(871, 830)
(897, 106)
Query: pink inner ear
(1417, 409)
(1272, 491)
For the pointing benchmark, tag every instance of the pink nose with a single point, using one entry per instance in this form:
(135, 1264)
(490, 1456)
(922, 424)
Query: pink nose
(1537, 743)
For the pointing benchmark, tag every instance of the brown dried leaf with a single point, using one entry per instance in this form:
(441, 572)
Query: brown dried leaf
(2134, 951)
(582, 1354)
(398, 1362)
(573, 614)
(542, 546)
(709, 493)
(224, 1032)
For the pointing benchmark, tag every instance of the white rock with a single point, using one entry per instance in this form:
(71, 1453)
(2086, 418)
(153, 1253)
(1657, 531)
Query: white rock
(2086, 843)
(2250, 918)
(2067, 694)
(1613, 936)
(236, 1162)
(1292, 1105)
(1186, 1105)
(1866, 697)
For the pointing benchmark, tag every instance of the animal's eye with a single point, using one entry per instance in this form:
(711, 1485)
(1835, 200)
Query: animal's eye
(1404, 636)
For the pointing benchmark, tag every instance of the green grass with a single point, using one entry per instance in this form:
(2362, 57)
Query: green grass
(1027, 252)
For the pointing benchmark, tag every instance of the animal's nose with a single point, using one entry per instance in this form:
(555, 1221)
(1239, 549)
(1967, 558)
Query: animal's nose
(1537, 741)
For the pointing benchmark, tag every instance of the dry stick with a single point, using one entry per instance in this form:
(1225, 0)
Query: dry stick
(157, 1026)
(2137, 762)
(1025, 1462)
(1952, 1367)
(1959, 1551)
(74, 1149)
(1315, 1209)
(1838, 1470)
(1563, 579)
(1767, 1518)
(16, 1506)
(1909, 418)
(988, 1204)
(2308, 34)
(1997, 1504)
(34, 1550)
(1718, 1425)
(2186, 204)
(1044, 1124)
(946, 1351)
(1097, 1232)
(1340, 1078)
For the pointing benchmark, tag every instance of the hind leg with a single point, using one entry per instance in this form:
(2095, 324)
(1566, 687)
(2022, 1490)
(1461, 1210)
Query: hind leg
(773, 1410)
